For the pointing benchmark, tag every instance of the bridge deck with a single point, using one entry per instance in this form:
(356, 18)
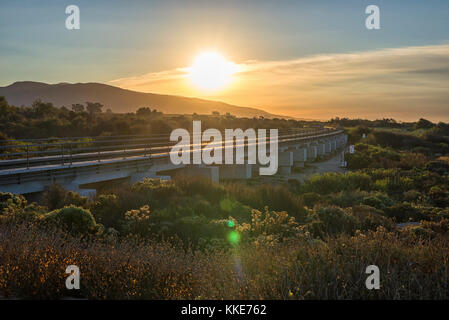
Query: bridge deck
(24, 166)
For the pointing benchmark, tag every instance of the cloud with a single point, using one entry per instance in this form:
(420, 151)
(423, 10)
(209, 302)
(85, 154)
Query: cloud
(405, 83)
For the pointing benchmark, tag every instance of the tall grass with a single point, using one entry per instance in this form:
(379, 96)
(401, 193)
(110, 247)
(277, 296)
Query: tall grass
(33, 262)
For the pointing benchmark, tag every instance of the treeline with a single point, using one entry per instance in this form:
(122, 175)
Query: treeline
(388, 123)
(430, 142)
(43, 120)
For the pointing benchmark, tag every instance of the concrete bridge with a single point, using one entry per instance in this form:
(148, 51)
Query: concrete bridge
(85, 164)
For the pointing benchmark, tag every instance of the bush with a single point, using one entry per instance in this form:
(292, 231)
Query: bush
(158, 192)
(138, 221)
(371, 218)
(106, 210)
(440, 167)
(15, 207)
(439, 196)
(333, 220)
(270, 223)
(378, 200)
(73, 219)
(278, 198)
(395, 186)
(57, 197)
(311, 198)
(11, 202)
(335, 182)
(346, 199)
(196, 185)
(403, 212)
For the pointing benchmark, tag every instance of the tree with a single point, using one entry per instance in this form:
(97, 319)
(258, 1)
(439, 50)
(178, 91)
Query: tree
(143, 112)
(93, 107)
(42, 109)
(77, 107)
(424, 124)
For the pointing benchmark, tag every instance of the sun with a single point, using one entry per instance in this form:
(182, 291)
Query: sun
(211, 71)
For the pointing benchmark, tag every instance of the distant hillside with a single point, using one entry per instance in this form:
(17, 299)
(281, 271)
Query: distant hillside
(117, 99)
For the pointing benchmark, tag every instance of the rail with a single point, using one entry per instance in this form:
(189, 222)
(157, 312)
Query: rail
(27, 154)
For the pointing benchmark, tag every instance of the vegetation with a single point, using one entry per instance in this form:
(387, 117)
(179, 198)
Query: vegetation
(189, 238)
(43, 120)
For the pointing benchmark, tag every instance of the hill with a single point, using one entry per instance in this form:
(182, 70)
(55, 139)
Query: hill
(118, 100)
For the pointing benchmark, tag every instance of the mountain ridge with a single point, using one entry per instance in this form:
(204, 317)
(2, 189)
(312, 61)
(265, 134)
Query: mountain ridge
(118, 99)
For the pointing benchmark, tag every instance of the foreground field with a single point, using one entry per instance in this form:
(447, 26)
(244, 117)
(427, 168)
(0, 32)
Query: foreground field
(192, 239)
(34, 262)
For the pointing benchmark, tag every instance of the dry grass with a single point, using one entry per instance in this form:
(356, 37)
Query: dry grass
(33, 262)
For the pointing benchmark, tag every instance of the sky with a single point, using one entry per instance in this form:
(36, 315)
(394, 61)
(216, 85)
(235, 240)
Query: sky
(308, 59)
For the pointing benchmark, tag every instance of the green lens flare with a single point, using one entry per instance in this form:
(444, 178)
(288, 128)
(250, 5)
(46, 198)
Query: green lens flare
(233, 237)
(230, 224)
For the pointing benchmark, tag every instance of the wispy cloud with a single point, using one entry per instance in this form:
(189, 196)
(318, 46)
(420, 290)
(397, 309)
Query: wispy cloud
(405, 83)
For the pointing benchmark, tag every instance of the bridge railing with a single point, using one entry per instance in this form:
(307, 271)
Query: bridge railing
(66, 151)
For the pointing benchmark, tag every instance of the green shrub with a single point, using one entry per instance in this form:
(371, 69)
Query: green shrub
(346, 199)
(311, 198)
(276, 197)
(158, 192)
(403, 212)
(72, 218)
(197, 185)
(336, 182)
(57, 197)
(370, 218)
(440, 167)
(107, 210)
(395, 186)
(334, 220)
(270, 223)
(439, 196)
(11, 202)
(378, 200)
(138, 221)
(16, 207)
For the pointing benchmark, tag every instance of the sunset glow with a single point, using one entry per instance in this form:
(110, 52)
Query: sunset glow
(211, 71)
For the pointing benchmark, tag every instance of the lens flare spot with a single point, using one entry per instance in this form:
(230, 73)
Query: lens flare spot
(230, 224)
(234, 238)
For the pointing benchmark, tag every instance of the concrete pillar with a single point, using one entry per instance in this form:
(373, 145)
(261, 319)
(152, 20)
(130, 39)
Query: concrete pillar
(209, 172)
(298, 164)
(300, 154)
(334, 145)
(328, 146)
(321, 149)
(284, 170)
(340, 142)
(285, 162)
(299, 157)
(236, 171)
(312, 152)
(285, 158)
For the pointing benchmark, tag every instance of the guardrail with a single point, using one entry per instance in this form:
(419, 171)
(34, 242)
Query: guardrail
(68, 152)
